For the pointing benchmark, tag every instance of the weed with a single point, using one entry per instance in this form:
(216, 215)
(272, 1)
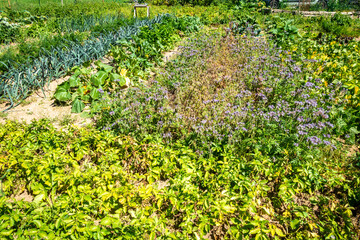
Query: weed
(67, 120)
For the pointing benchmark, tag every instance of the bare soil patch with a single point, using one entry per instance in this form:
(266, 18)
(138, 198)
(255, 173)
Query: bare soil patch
(41, 105)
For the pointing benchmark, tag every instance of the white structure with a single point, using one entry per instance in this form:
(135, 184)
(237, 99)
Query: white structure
(142, 6)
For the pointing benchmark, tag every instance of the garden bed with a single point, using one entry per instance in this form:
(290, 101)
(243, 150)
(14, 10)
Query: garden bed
(244, 131)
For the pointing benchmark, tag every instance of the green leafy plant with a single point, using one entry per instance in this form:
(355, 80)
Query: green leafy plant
(84, 88)
(58, 60)
(283, 31)
(8, 31)
(245, 24)
(340, 25)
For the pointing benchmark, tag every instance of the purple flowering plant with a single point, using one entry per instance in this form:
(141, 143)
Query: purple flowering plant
(255, 96)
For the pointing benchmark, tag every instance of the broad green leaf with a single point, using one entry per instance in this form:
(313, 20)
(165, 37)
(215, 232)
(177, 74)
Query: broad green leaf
(16, 217)
(115, 76)
(38, 198)
(62, 95)
(106, 221)
(93, 228)
(103, 66)
(31, 232)
(279, 232)
(159, 203)
(58, 223)
(85, 98)
(94, 94)
(43, 235)
(75, 69)
(294, 223)
(118, 78)
(77, 73)
(37, 223)
(64, 85)
(74, 81)
(85, 71)
(6, 232)
(77, 106)
(99, 78)
(75, 95)
(272, 231)
(152, 236)
(254, 231)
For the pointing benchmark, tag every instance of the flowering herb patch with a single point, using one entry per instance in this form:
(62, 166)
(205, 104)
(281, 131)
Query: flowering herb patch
(264, 133)
(259, 92)
(334, 62)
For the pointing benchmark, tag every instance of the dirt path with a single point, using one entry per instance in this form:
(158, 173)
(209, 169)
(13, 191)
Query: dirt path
(38, 106)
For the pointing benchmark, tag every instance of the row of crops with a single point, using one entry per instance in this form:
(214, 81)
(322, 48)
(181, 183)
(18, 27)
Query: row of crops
(250, 132)
(56, 39)
(17, 82)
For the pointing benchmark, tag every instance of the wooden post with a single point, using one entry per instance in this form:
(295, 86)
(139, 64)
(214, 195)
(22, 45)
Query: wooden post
(62, 2)
(9, 3)
(142, 6)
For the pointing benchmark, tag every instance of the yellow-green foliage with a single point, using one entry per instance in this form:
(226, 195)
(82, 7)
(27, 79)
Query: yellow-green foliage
(86, 184)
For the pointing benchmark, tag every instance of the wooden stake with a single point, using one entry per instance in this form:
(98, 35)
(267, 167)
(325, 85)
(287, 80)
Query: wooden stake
(9, 4)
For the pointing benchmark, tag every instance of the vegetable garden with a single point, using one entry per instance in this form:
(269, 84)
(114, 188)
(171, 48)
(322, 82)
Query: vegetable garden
(250, 131)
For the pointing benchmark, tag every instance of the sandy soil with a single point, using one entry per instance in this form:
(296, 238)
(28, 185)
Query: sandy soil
(168, 56)
(38, 106)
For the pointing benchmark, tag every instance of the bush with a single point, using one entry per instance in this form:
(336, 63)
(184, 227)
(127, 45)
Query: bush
(8, 31)
(340, 25)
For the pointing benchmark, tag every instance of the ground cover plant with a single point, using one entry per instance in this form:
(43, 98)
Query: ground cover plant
(331, 5)
(8, 30)
(55, 8)
(334, 55)
(63, 29)
(335, 62)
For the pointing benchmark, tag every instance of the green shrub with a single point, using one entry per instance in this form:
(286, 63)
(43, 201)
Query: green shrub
(8, 31)
(340, 25)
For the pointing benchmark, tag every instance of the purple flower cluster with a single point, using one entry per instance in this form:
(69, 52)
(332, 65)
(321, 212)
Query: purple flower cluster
(259, 92)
